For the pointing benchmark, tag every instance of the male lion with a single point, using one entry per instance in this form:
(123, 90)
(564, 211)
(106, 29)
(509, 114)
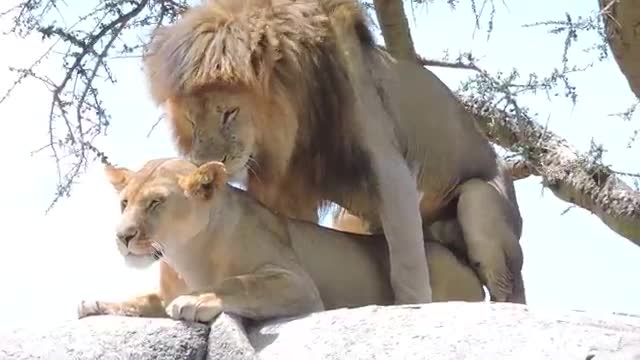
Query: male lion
(235, 255)
(298, 93)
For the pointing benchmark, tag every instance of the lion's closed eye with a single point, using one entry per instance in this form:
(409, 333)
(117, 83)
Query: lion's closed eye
(229, 114)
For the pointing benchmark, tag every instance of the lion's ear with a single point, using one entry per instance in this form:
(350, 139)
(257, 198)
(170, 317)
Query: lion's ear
(118, 177)
(204, 181)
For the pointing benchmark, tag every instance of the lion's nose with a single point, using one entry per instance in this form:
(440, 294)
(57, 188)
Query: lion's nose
(127, 235)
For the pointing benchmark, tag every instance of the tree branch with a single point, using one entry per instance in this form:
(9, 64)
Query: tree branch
(439, 63)
(520, 169)
(622, 23)
(571, 176)
(77, 142)
(77, 115)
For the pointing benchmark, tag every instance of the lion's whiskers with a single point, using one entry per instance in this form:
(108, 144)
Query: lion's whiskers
(250, 168)
(252, 161)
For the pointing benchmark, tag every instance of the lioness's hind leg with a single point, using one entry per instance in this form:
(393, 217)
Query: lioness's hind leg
(490, 227)
(451, 279)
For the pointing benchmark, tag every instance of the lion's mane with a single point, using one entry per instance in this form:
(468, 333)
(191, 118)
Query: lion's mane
(284, 53)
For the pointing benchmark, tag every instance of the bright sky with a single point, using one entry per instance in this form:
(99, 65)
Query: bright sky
(50, 262)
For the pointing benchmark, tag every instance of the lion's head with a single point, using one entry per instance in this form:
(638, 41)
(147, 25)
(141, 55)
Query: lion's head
(221, 128)
(256, 79)
(164, 202)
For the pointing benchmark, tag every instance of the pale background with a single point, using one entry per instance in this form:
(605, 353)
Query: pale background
(49, 262)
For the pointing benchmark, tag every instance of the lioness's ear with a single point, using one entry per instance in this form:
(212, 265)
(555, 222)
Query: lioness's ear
(118, 177)
(205, 180)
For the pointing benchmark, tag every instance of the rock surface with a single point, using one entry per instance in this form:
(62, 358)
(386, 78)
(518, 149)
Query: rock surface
(448, 331)
(107, 338)
(444, 331)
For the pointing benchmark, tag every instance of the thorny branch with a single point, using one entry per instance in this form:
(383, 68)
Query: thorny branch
(110, 27)
(478, 9)
(581, 179)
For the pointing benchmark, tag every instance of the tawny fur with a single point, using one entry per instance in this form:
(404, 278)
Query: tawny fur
(232, 254)
(327, 116)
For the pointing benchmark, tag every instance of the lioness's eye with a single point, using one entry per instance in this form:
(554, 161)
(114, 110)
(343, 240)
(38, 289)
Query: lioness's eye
(154, 203)
(123, 204)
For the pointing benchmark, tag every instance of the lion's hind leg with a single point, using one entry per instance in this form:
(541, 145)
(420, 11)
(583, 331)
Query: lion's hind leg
(490, 227)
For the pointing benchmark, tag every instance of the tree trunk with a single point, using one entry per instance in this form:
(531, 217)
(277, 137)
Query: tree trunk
(622, 23)
(395, 28)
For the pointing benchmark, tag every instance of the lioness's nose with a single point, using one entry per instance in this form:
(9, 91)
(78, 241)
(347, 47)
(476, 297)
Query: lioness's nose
(127, 234)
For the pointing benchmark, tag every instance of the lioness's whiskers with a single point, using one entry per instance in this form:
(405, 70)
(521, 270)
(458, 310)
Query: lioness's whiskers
(158, 247)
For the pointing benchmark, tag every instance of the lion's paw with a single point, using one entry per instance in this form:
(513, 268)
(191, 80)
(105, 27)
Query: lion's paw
(201, 308)
(90, 308)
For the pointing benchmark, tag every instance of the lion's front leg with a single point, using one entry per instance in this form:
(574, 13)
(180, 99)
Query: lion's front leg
(399, 214)
(269, 292)
(148, 305)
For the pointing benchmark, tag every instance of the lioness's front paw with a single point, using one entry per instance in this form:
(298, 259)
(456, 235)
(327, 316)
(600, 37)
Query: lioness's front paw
(89, 308)
(202, 308)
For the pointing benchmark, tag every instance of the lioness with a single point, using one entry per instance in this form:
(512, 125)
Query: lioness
(235, 255)
(300, 93)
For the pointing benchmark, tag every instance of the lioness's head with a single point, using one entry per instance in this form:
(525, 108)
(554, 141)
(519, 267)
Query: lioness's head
(168, 200)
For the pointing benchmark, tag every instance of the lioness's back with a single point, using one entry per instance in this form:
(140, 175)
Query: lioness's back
(353, 270)
(347, 272)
